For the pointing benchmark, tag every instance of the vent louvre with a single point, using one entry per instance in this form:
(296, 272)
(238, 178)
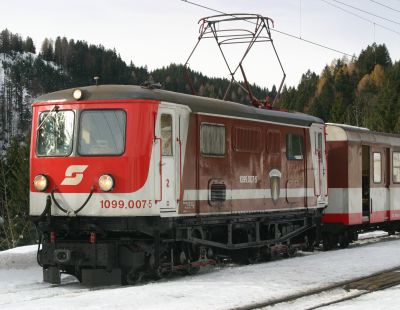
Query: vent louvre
(218, 193)
(247, 140)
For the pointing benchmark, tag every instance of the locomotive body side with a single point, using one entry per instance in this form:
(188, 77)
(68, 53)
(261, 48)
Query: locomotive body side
(254, 172)
(145, 181)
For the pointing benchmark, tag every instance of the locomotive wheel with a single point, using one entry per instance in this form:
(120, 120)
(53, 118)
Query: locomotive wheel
(266, 254)
(134, 277)
(190, 253)
(309, 244)
(253, 255)
(344, 240)
(326, 244)
(192, 270)
(161, 273)
(290, 252)
(164, 269)
(329, 241)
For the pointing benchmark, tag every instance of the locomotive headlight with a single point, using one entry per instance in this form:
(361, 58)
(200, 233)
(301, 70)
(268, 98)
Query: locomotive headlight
(40, 182)
(106, 182)
(77, 94)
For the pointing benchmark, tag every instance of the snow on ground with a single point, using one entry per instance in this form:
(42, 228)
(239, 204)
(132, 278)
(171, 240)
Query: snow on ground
(372, 234)
(18, 258)
(221, 288)
(387, 299)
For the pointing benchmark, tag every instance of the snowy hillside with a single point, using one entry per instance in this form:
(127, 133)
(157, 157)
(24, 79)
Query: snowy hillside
(23, 76)
(15, 98)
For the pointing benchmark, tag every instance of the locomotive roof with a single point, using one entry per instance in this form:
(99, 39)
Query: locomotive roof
(342, 132)
(195, 103)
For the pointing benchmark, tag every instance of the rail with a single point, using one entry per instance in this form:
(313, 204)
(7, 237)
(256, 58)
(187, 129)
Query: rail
(353, 288)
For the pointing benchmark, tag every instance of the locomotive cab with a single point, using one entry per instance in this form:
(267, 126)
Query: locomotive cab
(84, 155)
(90, 161)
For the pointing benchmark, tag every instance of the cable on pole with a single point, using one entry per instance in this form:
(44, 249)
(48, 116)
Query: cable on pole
(361, 17)
(366, 12)
(278, 31)
(385, 5)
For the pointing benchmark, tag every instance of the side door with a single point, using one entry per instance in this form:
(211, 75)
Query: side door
(319, 168)
(387, 177)
(166, 162)
(394, 175)
(378, 191)
(296, 192)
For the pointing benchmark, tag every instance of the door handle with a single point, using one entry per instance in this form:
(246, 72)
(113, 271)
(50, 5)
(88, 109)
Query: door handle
(160, 171)
(372, 210)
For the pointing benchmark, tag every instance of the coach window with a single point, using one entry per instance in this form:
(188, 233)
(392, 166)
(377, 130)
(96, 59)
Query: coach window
(212, 139)
(377, 167)
(396, 167)
(102, 132)
(166, 134)
(294, 147)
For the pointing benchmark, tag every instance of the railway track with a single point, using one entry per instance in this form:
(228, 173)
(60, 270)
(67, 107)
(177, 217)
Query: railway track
(39, 290)
(367, 240)
(332, 294)
(27, 292)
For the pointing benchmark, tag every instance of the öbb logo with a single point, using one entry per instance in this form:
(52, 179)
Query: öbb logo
(74, 175)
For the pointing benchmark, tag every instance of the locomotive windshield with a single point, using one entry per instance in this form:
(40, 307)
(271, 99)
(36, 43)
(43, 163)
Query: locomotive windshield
(55, 133)
(102, 132)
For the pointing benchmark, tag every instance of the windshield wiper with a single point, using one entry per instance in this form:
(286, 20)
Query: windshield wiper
(55, 108)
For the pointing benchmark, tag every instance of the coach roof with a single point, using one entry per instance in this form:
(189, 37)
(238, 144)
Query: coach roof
(195, 103)
(341, 132)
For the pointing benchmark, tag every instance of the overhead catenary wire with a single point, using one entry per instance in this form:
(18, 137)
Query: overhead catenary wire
(301, 18)
(385, 5)
(366, 12)
(276, 30)
(361, 17)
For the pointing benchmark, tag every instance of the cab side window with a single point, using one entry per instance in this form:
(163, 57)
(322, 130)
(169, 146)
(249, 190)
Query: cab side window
(166, 134)
(294, 147)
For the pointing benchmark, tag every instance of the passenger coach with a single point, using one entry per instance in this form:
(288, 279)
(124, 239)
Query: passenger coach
(128, 181)
(364, 183)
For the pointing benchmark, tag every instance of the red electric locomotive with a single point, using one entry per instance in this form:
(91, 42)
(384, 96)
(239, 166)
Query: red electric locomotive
(129, 181)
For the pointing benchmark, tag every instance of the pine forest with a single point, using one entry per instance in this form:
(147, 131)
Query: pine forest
(363, 91)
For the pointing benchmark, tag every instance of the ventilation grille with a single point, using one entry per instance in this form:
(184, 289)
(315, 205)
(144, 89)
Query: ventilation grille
(247, 140)
(218, 193)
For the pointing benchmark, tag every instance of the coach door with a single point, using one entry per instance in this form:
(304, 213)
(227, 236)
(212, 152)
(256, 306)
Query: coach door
(166, 161)
(366, 183)
(379, 193)
(387, 177)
